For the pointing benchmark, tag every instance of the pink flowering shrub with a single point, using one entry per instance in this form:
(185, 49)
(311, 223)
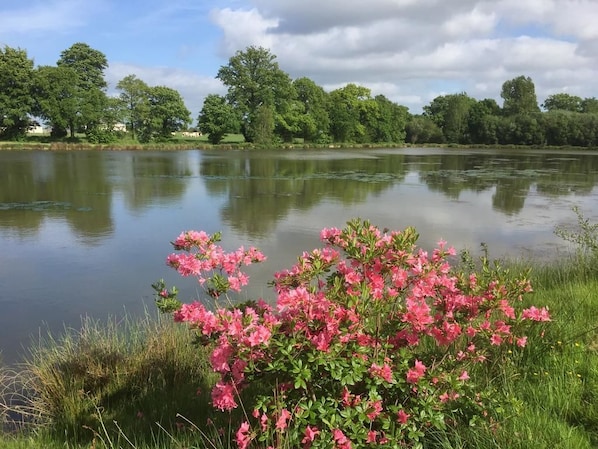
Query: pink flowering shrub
(370, 342)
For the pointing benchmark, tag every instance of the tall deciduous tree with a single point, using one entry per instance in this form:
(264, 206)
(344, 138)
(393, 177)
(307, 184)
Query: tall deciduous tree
(315, 121)
(349, 107)
(255, 83)
(57, 98)
(16, 100)
(482, 121)
(589, 105)
(88, 65)
(562, 102)
(519, 95)
(451, 113)
(217, 118)
(167, 114)
(387, 122)
(134, 98)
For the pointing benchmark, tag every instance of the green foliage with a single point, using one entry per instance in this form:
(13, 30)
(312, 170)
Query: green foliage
(315, 121)
(134, 102)
(217, 118)
(422, 129)
(16, 99)
(519, 95)
(255, 81)
(451, 114)
(101, 134)
(349, 108)
(88, 64)
(167, 113)
(584, 237)
(563, 102)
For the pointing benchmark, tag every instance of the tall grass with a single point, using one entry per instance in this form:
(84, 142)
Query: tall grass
(112, 379)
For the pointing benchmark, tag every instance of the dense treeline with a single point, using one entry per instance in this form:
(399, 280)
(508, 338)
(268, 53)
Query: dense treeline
(267, 106)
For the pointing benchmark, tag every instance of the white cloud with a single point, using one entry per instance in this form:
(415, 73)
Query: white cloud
(414, 49)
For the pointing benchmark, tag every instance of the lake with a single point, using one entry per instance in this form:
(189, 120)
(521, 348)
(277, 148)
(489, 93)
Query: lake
(87, 232)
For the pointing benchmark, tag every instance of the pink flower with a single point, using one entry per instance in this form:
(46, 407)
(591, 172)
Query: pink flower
(220, 356)
(309, 436)
(242, 436)
(464, 376)
(281, 422)
(521, 342)
(382, 372)
(372, 435)
(341, 440)
(495, 339)
(374, 409)
(223, 396)
(415, 373)
(535, 314)
(402, 417)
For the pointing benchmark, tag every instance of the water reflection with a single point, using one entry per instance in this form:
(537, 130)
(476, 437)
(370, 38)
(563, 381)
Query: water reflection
(262, 190)
(87, 232)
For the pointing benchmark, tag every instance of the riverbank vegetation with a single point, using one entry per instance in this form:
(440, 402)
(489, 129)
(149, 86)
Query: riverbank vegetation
(267, 108)
(143, 384)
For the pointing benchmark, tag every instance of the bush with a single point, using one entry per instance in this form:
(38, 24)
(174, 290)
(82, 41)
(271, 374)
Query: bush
(371, 341)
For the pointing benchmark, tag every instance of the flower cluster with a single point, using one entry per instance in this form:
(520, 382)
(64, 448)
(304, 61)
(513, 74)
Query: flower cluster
(371, 340)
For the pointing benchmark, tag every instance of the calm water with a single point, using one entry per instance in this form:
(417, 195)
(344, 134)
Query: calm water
(86, 233)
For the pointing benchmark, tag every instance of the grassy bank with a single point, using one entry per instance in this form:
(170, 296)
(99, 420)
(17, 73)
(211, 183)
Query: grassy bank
(231, 142)
(141, 384)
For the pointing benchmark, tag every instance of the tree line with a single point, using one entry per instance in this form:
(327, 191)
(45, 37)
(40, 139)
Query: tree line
(265, 105)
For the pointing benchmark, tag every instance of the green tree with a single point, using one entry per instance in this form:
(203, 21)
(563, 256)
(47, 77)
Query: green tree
(349, 108)
(89, 100)
(482, 122)
(422, 129)
(167, 114)
(255, 81)
(217, 118)
(563, 102)
(387, 123)
(519, 95)
(89, 64)
(134, 98)
(451, 113)
(589, 105)
(57, 98)
(263, 125)
(16, 100)
(315, 121)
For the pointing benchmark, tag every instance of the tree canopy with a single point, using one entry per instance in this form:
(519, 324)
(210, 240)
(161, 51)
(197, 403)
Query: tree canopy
(16, 100)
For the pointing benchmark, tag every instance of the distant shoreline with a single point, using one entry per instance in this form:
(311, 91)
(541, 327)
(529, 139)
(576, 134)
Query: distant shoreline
(174, 146)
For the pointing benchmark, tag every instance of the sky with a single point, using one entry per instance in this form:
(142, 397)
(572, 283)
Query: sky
(411, 51)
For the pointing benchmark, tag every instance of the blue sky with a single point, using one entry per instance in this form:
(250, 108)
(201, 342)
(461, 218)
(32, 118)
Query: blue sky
(409, 50)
